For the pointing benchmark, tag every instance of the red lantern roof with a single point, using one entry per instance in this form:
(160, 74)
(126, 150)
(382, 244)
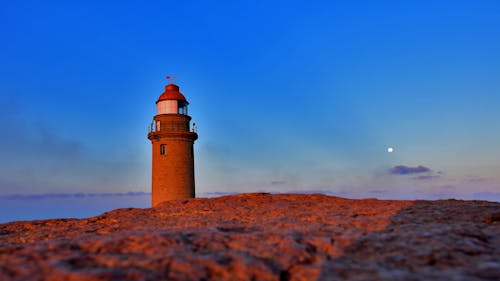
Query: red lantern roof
(172, 93)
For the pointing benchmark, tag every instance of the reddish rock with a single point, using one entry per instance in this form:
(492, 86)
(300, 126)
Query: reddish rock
(262, 237)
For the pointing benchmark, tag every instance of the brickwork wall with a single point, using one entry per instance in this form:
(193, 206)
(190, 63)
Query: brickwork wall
(172, 172)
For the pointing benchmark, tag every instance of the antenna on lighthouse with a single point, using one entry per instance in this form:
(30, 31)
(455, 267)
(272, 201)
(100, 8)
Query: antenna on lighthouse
(171, 79)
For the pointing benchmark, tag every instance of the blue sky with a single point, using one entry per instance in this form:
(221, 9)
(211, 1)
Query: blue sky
(287, 96)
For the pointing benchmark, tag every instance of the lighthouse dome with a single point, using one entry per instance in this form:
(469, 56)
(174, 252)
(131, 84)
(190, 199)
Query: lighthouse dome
(172, 93)
(172, 101)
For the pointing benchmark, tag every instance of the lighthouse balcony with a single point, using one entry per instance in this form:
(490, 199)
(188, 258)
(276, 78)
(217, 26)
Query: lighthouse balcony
(155, 134)
(172, 126)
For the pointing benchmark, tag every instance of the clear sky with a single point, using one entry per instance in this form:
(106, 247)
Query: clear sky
(287, 95)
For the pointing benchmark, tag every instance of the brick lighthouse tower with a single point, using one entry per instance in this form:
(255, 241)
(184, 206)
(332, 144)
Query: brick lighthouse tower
(172, 140)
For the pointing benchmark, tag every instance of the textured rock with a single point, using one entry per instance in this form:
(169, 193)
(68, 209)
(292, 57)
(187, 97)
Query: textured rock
(262, 237)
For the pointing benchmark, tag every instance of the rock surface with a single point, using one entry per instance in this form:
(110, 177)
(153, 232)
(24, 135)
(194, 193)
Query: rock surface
(262, 237)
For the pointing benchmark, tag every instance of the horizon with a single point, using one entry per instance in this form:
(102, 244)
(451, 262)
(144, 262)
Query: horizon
(26, 207)
(388, 100)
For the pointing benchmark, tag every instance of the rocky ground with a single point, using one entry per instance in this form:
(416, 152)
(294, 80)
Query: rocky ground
(262, 237)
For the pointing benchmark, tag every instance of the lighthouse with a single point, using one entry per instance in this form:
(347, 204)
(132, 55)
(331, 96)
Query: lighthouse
(172, 142)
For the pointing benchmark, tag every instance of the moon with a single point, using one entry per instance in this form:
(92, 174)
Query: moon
(390, 149)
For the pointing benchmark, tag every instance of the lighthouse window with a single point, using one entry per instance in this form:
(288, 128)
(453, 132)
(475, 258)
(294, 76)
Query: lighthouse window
(182, 108)
(163, 149)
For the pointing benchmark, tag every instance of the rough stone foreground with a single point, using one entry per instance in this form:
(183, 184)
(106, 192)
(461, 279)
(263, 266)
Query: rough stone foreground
(262, 237)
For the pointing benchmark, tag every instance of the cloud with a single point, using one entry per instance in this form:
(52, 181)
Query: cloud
(448, 186)
(421, 173)
(426, 177)
(314, 191)
(278, 182)
(31, 196)
(407, 170)
(378, 191)
(475, 179)
(487, 196)
(37, 156)
(213, 194)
